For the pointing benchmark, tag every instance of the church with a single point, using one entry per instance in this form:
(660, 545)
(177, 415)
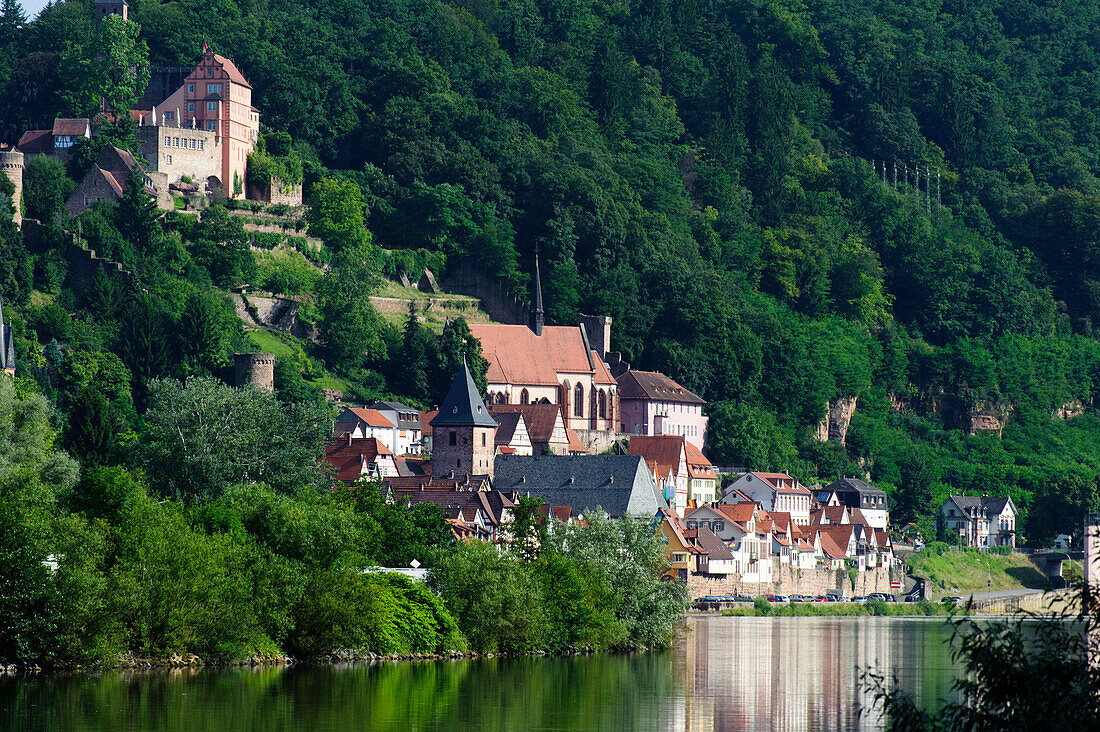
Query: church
(554, 364)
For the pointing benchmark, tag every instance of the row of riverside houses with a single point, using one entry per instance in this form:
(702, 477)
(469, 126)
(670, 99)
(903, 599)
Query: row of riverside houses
(770, 532)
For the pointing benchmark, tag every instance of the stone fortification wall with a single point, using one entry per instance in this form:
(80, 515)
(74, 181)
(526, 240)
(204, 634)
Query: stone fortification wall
(276, 191)
(274, 313)
(434, 305)
(175, 151)
(596, 442)
(788, 581)
(497, 298)
(83, 264)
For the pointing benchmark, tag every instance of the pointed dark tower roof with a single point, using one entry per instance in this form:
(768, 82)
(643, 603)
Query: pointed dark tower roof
(537, 316)
(463, 406)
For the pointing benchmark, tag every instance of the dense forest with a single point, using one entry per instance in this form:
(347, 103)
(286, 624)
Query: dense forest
(708, 174)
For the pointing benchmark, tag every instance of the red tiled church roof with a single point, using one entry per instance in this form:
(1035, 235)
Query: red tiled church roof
(517, 356)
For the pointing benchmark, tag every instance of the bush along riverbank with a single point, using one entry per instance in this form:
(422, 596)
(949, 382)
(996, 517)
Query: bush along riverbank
(101, 572)
(762, 608)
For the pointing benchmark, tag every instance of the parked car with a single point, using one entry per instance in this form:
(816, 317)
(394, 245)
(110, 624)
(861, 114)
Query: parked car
(913, 598)
(777, 598)
(859, 598)
(833, 597)
(799, 598)
(709, 600)
(951, 599)
(821, 598)
(742, 598)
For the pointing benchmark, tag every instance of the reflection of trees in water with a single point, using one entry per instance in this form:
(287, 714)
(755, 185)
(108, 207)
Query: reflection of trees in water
(593, 692)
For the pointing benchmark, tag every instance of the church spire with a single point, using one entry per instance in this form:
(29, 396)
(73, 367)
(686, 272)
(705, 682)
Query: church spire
(463, 404)
(536, 307)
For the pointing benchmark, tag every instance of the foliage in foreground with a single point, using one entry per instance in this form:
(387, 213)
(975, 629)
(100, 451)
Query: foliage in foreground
(1028, 672)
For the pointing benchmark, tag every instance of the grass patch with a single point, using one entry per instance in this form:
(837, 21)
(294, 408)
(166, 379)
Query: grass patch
(968, 570)
(283, 345)
(841, 609)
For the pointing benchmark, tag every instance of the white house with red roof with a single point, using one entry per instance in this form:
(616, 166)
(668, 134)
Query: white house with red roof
(367, 422)
(774, 492)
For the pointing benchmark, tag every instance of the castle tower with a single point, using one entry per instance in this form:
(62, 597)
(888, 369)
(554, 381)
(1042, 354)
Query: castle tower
(11, 162)
(463, 433)
(103, 8)
(257, 369)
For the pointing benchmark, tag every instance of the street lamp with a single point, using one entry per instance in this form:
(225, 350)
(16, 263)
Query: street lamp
(988, 574)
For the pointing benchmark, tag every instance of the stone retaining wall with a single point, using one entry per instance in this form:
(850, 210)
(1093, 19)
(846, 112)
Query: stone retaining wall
(788, 581)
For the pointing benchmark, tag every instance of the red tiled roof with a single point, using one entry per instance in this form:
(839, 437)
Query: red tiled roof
(231, 68)
(426, 421)
(698, 465)
(835, 514)
(664, 450)
(653, 385)
(371, 417)
(739, 512)
(517, 356)
(347, 455)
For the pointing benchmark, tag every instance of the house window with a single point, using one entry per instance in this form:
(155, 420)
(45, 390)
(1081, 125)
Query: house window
(191, 145)
(169, 159)
(212, 125)
(190, 88)
(168, 116)
(578, 401)
(175, 142)
(213, 88)
(190, 106)
(200, 144)
(211, 106)
(719, 525)
(453, 439)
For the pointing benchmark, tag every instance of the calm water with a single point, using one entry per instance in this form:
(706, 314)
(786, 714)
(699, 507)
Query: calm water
(728, 674)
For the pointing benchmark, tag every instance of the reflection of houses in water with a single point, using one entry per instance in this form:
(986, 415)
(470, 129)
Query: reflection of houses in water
(802, 673)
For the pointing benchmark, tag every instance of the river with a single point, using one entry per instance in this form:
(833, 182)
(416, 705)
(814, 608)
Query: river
(726, 674)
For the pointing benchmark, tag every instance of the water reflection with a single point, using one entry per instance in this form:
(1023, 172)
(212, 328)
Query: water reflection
(803, 673)
(727, 674)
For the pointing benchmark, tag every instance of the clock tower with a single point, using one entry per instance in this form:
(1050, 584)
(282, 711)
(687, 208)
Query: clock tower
(463, 433)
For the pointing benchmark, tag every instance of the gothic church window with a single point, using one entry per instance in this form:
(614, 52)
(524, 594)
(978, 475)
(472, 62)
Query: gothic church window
(578, 401)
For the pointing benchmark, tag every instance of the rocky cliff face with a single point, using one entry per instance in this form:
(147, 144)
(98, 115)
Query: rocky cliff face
(1069, 410)
(989, 417)
(838, 415)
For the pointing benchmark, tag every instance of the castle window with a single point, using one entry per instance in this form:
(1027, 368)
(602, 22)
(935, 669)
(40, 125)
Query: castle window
(175, 142)
(200, 144)
(211, 106)
(453, 439)
(169, 159)
(578, 401)
(191, 145)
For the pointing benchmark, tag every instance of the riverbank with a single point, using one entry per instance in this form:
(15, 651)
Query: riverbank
(762, 609)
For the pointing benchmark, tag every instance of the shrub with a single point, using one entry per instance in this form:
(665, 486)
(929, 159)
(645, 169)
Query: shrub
(762, 606)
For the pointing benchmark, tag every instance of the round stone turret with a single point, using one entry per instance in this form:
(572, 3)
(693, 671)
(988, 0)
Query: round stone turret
(11, 162)
(257, 369)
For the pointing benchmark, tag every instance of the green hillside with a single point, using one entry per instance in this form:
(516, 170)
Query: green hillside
(708, 174)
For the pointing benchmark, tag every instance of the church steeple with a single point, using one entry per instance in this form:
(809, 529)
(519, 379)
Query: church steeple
(536, 308)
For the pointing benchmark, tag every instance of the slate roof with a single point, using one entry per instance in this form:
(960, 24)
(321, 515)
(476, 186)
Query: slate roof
(849, 485)
(653, 385)
(619, 484)
(401, 410)
(517, 356)
(993, 505)
(463, 405)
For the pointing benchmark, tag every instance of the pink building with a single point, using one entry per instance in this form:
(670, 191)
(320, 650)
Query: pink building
(215, 97)
(653, 404)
